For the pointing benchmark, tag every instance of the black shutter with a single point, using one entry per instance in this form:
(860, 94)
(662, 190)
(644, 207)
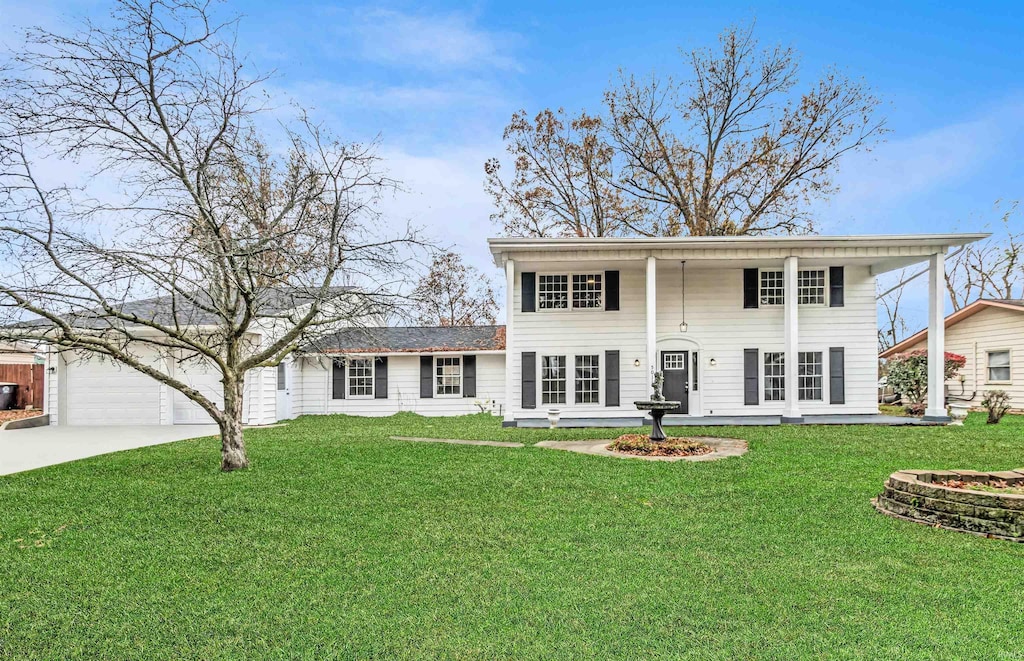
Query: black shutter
(338, 380)
(529, 364)
(836, 375)
(469, 376)
(611, 377)
(750, 390)
(750, 286)
(611, 290)
(426, 377)
(380, 378)
(835, 286)
(529, 292)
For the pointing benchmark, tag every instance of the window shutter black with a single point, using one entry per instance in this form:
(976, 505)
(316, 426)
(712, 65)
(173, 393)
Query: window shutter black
(338, 380)
(611, 377)
(836, 375)
(750, 286)
(529, 292)
(380, 378)
(611, 290)
(426, 377)
(835, 286)
(750, 389)
(529, 364)
(469, 376)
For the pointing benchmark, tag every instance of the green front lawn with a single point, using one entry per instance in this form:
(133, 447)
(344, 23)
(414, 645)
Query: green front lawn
(342, 543)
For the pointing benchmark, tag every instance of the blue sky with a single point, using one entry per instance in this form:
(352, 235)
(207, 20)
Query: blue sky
(438, 82)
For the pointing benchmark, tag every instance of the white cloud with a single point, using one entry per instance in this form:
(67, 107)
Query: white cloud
(423, 41)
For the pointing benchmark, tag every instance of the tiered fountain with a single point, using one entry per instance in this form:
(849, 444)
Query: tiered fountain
(657, 405)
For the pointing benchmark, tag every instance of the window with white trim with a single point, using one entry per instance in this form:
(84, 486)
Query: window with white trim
(282, 376)
(810, 376)
(999, 366)
(587, 379)
(553, 292)
(448, 375)
(773, 291)
(552, 380)
(586, 291)
(360, 377)
(810, 287)
(774, 376)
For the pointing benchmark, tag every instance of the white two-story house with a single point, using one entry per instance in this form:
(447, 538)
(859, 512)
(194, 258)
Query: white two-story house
(740, 326)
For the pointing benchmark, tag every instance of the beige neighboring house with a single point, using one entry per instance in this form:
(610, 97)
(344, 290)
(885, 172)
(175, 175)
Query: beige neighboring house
(15, 355)
(990, 334)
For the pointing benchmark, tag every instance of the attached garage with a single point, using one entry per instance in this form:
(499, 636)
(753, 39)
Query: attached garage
(204, 378)
(101, 391)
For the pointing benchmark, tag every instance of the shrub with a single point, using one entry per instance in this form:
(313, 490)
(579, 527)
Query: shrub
(998, 403)
(908, 375)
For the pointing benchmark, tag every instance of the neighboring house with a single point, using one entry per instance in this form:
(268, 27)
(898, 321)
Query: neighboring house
(88, 389)
(380, 371)
(741, 326)
(17, 355)
(989, 333)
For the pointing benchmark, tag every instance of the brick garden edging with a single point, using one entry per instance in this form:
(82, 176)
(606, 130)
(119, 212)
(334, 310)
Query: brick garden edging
(914, 496)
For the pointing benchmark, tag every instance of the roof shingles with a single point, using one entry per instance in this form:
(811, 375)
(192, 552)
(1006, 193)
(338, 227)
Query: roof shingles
(411, 339)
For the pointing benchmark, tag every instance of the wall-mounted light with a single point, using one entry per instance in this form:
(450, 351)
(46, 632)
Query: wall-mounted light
(51, 370)
(712, 362)
(636, 363)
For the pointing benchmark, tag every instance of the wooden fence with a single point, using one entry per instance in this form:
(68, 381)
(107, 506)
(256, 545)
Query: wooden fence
(30, 379)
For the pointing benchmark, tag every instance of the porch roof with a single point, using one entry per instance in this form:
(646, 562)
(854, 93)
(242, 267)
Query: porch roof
(882, 251)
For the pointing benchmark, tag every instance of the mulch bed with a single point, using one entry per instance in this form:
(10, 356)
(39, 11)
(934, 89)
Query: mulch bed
(18, 414)
(641, 445)
(995, 486)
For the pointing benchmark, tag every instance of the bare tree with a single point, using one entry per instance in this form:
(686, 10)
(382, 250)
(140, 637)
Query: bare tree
(990, 269)
(238, 253)
(893, 326)
(729, 149)
(561, 184)
(454, 294)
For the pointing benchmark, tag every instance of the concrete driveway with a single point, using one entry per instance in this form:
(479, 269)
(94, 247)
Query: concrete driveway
(25, 449)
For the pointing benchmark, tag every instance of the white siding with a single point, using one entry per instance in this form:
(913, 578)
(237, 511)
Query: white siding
(992, 329)
(313, 392)
(718, 327)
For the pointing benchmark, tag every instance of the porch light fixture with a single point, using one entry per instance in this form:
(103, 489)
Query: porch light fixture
(636, 363)
(712, 362)
(683, 326)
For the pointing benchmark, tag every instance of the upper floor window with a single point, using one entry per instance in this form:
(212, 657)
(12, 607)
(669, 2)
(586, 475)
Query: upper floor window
(586, 291)
(360, 377)
(998, 366)
(810, 287)
(553, 292)
(448, 371)
(774, 376)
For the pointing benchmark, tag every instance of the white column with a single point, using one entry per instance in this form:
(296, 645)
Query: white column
(936, 409)
(510, 283)
(791, 411)
(652, 320)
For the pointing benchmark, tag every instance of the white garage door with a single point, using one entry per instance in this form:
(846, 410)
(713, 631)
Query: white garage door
(204, 378)
(101, 391)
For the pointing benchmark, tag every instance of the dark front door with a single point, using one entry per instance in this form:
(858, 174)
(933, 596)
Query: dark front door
(675, 366)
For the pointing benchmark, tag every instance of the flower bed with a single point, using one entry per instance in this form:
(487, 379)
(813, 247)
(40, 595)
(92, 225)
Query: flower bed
(18, 414)
(641, 445)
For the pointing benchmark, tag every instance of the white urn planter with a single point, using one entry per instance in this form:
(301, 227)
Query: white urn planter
(553, 416)
(958, 412)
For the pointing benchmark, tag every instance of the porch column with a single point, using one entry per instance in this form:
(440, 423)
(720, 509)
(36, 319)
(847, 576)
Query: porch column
(936, 410)
(510, 283)
(791, 410)
(652, 321)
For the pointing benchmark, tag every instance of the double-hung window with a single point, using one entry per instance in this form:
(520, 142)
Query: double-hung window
(587, 379)
(553, 292)
(773, 291)
(810, 376)
(448, 375)
(586, 291)
(810, 287)
(552, 380)
(999, 366)
(360, 377)
(774, 376)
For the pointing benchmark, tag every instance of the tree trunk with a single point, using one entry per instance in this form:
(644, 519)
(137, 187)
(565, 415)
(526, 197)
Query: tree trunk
(232, 445)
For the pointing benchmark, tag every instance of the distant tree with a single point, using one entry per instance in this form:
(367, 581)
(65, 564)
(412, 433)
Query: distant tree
(893, 326)
(990, 269)
(728, 149)
(454, 294)
(908, 375)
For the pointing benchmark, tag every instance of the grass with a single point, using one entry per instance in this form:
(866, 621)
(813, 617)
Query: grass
(340, 543)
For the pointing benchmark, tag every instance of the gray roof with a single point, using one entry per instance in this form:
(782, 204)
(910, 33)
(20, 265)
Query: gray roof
(168, 310)
(411, 339)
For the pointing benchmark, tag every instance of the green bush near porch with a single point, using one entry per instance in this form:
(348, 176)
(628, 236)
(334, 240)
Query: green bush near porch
(342, 543)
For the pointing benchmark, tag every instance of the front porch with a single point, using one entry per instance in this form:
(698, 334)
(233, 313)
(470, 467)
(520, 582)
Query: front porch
(721, 421)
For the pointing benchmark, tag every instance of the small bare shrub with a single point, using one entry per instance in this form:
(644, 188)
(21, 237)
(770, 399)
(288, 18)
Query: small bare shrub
(998, 403)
